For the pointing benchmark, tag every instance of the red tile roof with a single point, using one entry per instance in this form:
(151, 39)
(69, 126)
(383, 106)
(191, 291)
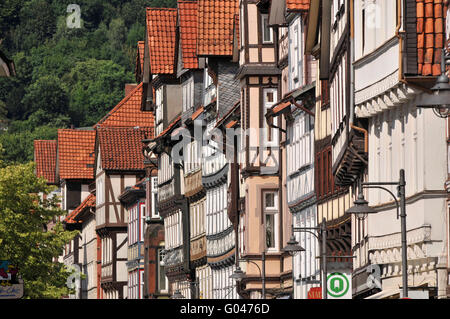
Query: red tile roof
(76, 153)
(187, 13)
(294, 5)
(161, 32)
(45, 159)
(430, 35)
(216, 20)
(128, 113)
(121, 147)
(89, 202)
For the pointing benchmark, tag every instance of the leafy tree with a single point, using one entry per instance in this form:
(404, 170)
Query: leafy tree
(9, 14)
(96, 87)
(18, 140)
(37, 24)
(23, 214)
(47, 95)
(117, 34)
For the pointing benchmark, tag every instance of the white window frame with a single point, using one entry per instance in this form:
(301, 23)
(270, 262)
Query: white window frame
(264, 27)
(188, 94)
(273, 211)
(159, 109)
(154, 196)
(273, 142)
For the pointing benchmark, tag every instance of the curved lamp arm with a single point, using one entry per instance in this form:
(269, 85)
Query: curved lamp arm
(387, 190)
(250, 261)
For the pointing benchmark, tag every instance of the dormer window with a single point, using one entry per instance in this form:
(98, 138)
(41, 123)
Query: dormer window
(267, 34)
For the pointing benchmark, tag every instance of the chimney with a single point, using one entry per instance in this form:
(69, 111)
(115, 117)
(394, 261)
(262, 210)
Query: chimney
(129, 87)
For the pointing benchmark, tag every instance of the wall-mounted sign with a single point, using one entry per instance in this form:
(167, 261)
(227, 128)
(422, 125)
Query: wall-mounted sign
(315, 293)
(11, 285)
(339, 285)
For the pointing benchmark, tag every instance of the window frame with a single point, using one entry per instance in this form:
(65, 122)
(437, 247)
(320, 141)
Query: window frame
(274, 212)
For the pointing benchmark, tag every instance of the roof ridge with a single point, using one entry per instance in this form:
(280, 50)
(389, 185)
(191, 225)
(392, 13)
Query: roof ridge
(160, 9)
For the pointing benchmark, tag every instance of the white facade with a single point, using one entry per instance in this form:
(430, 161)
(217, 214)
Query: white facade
(401, 136)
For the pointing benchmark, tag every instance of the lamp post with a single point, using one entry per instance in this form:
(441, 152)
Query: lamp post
(293, 247)
(361, 210)
(238, 274)
(439, 100)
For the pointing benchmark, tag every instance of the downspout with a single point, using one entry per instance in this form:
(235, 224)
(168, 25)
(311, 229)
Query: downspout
(399, 34)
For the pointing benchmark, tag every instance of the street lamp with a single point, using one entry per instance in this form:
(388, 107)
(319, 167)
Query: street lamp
(439, 100)
(362, 210)
(238, 274)
(293, 247)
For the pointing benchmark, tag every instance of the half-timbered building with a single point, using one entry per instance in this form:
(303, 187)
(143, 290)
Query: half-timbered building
(83, 219)
(295, 113)
(75, 171)
(119, 164)
(133, 199)
(266, 218)
(327, 39)
(166, 103)
(190, 70)
(216, 26)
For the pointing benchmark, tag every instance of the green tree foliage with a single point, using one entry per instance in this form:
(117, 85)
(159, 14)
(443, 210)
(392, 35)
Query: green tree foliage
(48, 96)
(65, 76)
(37, 24)
(96, 86)
(18, 141)
(23, 216)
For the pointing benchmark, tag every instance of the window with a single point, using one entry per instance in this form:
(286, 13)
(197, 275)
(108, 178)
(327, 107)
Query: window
(99, 192)
(154, 197)
(324, 177)
(271, 134)
(295, 54)
(209, 89)
(159, 110)
(271, 220)
(267, 34)
(162, 279)
(188, 94)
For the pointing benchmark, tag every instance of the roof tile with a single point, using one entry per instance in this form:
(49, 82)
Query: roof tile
(76, 153)
(216, 20)
(161, 31)
(187, 12)
(293, 5)
(430, 35)
(128, 112)
(89, 202)
(121, 147)
(45, 159)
